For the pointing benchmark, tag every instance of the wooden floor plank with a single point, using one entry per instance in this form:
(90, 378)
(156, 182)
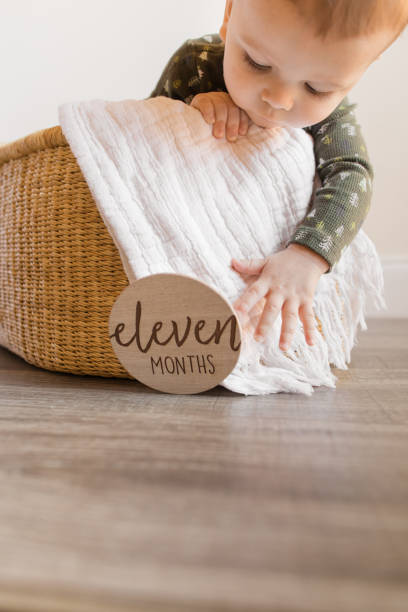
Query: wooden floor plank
(117, 497)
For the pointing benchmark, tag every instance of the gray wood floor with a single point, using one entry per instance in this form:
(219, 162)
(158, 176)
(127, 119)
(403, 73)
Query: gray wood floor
(116, 497)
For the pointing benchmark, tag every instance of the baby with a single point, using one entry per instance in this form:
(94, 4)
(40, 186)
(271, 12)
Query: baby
(290, 63)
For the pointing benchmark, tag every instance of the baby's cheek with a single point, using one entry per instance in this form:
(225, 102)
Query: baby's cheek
(237, 85)
(317, 110)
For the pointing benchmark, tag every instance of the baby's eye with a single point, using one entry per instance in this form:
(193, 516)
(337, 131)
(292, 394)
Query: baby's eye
(260, 67)
(253, 64)
(316, 93)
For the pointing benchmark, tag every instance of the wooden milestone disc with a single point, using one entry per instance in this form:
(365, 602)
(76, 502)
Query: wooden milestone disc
(174, 333)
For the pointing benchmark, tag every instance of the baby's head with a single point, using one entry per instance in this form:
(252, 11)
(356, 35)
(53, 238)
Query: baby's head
(291, 62)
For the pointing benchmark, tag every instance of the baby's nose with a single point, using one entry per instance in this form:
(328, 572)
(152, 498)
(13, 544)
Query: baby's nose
(279, 99)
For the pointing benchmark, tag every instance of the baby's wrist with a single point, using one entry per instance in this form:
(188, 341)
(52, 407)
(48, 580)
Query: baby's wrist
(311, 255)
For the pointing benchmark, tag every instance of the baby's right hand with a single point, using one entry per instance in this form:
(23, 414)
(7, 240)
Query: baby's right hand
(219, 110)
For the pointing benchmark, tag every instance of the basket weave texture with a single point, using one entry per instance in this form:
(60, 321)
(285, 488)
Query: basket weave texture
(60, 271)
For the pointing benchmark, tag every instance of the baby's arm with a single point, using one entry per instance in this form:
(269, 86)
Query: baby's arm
(343, 201)
(192, 70)
(175, 78)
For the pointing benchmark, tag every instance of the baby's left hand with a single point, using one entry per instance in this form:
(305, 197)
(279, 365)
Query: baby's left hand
(287, 281)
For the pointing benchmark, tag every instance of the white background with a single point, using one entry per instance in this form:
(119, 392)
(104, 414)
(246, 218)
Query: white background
(55, 51)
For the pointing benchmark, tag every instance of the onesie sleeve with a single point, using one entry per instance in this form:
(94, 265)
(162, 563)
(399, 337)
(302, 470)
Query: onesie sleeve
(194, 68)
(341, 204)
(175, 80)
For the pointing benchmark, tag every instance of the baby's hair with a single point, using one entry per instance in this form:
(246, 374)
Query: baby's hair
(349, 18)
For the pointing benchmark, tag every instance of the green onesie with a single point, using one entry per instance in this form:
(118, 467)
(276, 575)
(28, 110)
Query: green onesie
(342, 203)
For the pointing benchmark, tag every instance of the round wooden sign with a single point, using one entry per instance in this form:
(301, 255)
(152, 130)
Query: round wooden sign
(175, 333)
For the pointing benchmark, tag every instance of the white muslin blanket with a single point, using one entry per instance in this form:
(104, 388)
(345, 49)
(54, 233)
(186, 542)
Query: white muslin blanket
(176, 199)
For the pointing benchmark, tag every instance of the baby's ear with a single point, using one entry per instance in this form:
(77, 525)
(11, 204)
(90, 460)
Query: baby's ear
(227, 14)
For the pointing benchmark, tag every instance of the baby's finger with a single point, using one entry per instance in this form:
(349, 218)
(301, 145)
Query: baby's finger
(289, 323)
(271, 310)
(221, 116)
(251, 296)
(309, 322)
(243, 123)
(233, 122)
(206, 107)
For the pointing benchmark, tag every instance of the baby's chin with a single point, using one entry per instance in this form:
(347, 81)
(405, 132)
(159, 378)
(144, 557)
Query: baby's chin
(267, 123)
(264, 122)
(272, 125)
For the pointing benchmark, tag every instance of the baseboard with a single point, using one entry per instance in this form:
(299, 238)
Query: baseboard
(395, 289)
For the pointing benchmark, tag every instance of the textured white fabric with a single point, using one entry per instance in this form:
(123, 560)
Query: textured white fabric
(175, 199)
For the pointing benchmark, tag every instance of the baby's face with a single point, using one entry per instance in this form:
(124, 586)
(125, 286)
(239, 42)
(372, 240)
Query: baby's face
(274, 64)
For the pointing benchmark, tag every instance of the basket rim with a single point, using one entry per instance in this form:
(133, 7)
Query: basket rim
(51, 137)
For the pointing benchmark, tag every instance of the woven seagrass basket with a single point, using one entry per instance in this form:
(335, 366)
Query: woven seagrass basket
(60, 271)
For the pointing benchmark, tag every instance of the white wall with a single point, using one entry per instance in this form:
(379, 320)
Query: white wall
(382, 98)
(54, 51)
